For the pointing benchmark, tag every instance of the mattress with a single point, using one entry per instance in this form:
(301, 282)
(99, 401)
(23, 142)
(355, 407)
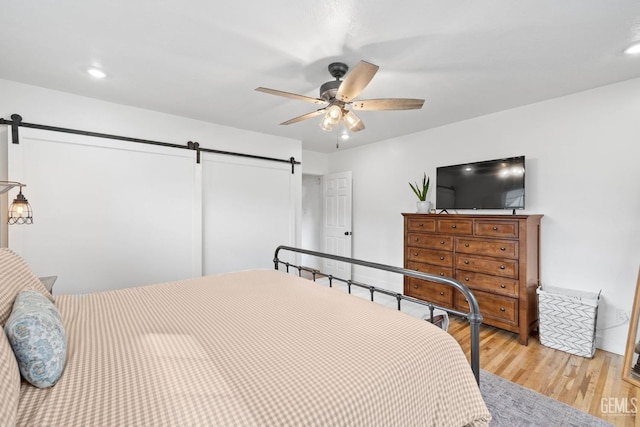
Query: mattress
(251, 348)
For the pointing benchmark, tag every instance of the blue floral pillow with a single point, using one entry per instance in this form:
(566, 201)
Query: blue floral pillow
(37, 338)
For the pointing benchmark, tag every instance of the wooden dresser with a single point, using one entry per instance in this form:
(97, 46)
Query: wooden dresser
(496, 256)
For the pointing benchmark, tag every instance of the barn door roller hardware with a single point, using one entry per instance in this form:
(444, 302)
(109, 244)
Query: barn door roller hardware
(16, 122)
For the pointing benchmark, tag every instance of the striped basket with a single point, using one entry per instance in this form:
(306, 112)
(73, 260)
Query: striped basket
(568, 320)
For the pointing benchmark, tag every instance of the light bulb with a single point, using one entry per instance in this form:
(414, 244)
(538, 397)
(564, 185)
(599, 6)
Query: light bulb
(633, 49)
(327, 124)
(353, 122)
(97, 73)
(334, 112)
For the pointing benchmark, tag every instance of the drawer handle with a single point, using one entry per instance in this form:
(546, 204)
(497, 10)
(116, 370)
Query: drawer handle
(453, 226)
(502, 309)
(502, 267)
(442, 242)
(415, 254)
(421, 225)
(416, 269)
(495, 228)
(466, 261)
(416, 239)
(441, 292)
(466, 279)
(502, 285)
(415, 286)
(503, 249)
(441, 258)
(442, 274)
(466, 245)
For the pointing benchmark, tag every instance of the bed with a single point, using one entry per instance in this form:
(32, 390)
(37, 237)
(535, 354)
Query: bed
(258, 347)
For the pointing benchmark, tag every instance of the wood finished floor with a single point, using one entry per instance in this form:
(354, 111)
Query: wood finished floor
(574, 380)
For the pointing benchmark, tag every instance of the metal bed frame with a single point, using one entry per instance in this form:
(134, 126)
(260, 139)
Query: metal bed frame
(473, 316)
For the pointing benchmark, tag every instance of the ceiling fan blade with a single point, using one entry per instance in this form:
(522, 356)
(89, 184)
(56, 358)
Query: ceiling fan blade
(388, 104)
(304, 117)
(291, 95)
(356, 80)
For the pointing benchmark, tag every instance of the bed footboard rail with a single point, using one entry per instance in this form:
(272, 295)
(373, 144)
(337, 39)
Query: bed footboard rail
(473, 316)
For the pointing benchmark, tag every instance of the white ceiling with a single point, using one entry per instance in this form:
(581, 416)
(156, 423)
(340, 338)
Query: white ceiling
(203, 59)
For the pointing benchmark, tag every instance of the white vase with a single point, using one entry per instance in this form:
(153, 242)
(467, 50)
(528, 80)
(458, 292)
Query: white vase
(423, 207)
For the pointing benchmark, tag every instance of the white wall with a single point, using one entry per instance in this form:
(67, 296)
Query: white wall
(311, 218)
(582, 154)
(315, 163)
(55, 170)
(4, 198)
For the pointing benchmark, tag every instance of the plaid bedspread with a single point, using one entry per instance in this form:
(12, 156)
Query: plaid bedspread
(251, 348)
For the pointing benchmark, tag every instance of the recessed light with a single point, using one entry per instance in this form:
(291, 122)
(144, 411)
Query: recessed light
(634, 49)
(96, 73)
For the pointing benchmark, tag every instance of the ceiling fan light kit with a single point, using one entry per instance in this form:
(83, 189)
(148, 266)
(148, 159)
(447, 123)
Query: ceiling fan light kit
(353, 122)
(327, 123)
(339, 94)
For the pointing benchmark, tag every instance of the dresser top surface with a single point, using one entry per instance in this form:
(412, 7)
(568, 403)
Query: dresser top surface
(472, 216)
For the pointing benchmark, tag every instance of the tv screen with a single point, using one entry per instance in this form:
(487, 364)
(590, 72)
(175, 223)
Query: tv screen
(492, 184)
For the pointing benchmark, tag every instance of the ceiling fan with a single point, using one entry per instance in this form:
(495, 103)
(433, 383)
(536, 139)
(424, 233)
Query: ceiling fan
(340, 94)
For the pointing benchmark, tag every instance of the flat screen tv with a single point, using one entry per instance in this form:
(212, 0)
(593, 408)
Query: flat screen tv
(492, 184)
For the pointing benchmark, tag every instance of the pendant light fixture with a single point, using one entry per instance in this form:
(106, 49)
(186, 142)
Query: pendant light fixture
(331, 118)
(20, 211)
(335, 114)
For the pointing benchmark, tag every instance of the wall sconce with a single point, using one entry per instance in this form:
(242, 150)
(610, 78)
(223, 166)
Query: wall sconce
(20, 211)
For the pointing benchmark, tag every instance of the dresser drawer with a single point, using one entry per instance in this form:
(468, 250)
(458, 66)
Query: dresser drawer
(421, 224)
(455, 226)
(430, 241)
(495, 307)
(496, 267)
(488, 247)
(430, 291)
(496, 228)
(485, 282)
(430, 269)
(431, 256)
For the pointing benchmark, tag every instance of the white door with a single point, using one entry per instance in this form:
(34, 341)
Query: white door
(337, 222)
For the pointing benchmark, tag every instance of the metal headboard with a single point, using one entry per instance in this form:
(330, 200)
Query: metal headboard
(473, 316)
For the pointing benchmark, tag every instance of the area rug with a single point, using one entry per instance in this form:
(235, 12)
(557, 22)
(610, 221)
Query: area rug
(512, 405)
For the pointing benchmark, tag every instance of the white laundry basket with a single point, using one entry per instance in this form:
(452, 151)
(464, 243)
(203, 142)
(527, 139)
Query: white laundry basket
(567, 320)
